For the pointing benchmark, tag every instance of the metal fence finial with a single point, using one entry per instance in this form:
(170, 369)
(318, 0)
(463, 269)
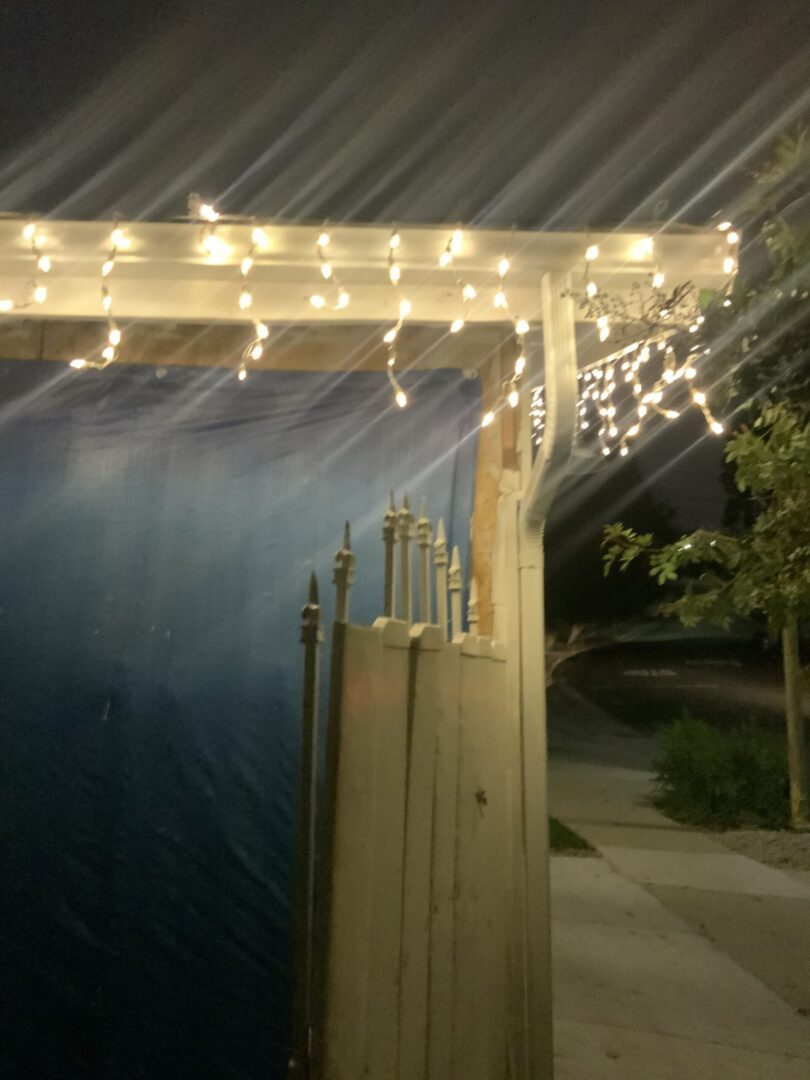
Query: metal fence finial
(405, 522)
(440, 564)
(454, 585)
(424, 537)
(389, 540)
(343, 576)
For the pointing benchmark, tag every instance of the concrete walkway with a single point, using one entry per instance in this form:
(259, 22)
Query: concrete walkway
(674, 958)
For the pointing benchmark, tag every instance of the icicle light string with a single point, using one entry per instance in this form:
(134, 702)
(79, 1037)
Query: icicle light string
(254, 350)
(119, 241)
(36, 291)
(600, 403)
(467, 291)
(318, 300)
(404, 309)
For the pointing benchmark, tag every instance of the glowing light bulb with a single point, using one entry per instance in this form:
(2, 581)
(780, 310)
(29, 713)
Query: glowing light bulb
(469, 292)
(119, 239)
(30, 231)
(733, 237)
(671, 414)
(487, 418)
(78, 363)
(242, 375)
(317, 300)
(698, 397)
(729, 265)
(592, 253)
(445, 259)
(343, 299)
(717, 427)
(262, 331)
(394, 242)
(520, 364)
(247, 265)
(245, 299)
(499, 300)
(259, 237)
(40, 294)
(390, 336)
(613, 431)
(658, 280)
(726, 303)
(591, 289)
(690, 372)
(623, 450)
(604, 333)
(521, 327)
(503, 267)
(44, 264)
(6, 305)
(642, 410)
(456, 325)
(405, 309)
(633, 431)
(323, 240)
(724, 226)
(456, 242)
(114, 336)
(108, 352)
(106, 302)
(107, 267)
(513, 397)
(606, 451)
(401, 398)
(209, 212)
(326, 270)
(602, 321)
(256, 351)
(394, 273)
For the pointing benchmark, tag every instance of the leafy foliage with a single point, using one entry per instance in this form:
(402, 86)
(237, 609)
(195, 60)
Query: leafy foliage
(765, 569)
(726, 779)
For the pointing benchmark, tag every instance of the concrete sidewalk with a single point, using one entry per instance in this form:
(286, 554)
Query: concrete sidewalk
(674, 958)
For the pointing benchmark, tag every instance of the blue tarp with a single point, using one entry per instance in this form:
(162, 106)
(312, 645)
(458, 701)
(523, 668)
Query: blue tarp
(157, 530)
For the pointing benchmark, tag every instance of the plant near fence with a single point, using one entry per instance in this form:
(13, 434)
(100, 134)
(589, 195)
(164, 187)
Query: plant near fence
(724, 779)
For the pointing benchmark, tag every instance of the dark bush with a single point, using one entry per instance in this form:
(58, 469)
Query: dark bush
(734, 778)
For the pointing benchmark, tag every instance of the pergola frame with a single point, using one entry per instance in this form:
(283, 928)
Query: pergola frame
(165, 276)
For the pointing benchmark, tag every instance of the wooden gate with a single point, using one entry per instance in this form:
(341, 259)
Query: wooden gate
(408, 934)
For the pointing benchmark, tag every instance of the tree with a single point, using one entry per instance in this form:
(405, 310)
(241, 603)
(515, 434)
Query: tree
(764, 569)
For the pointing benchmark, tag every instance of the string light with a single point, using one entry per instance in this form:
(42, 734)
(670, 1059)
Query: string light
(254, 350)
(318, 300)
(404, 310)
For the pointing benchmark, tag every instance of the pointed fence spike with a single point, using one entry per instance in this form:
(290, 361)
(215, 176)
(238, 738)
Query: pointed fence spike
(392, 504)
(343, 577)
(347, 537)
(424, 538)
(440, 568)
(454, 585)
(313, 588)
(405, 531)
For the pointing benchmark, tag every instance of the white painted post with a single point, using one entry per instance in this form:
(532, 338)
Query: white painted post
(472, 608)
(440, 563)
(405, 524)
(454, 586)
(559, 349)
(389, 540)
(343, 577)
(424, 536)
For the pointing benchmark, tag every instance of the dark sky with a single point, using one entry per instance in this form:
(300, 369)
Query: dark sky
(559, 114)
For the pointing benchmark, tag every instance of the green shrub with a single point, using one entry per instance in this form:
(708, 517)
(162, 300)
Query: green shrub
(732, 778)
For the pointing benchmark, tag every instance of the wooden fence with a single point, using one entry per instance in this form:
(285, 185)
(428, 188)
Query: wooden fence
(408, 929)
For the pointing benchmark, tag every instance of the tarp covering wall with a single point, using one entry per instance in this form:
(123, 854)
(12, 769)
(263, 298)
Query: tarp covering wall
(157, 529)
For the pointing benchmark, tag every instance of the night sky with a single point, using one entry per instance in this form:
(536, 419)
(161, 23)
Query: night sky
(567, 114)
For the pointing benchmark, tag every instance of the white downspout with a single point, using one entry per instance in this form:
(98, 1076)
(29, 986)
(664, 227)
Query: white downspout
(560, 377)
